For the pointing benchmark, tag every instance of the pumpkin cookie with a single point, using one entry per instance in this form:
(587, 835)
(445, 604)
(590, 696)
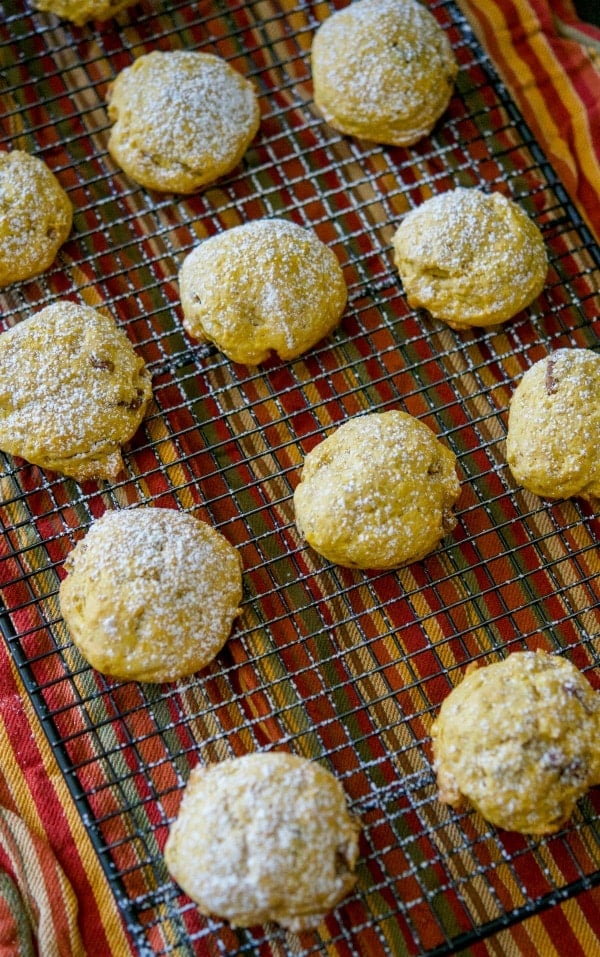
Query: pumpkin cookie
(519, 741)
(80, 11)
(35, 216)
(266, 286)
(470, 258)
(554, 426)
(383, 70)
(182, 119)
(72, 391)
(151, 594)
(264, 837)
(378, 492)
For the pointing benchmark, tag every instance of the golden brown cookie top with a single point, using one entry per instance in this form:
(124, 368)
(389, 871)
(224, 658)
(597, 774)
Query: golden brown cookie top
(72, 391)
(554, 426)
(35, 216)
(519, 740)
(268, 286)
(181, 119)
(264, 837)
(378, 492)
(80, 11)
(383, 70)
(151, 594)
(470, 258)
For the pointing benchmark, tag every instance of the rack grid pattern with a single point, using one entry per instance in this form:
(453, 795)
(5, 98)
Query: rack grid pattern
(345, 667)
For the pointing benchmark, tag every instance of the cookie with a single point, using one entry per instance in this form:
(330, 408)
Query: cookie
(264, 837)
(519, 741)
(382, 70)
(182, 119)
(554, 426)
(72, 391)
(35, 216)
(151, 594)
(268, 286)
(80, 11)
(470, 258)
(378, 492)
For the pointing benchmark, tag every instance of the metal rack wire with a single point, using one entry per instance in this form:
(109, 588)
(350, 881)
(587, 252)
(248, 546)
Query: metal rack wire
(343, 667)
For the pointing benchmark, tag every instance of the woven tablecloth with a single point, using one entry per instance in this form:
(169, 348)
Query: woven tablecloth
(54, 894)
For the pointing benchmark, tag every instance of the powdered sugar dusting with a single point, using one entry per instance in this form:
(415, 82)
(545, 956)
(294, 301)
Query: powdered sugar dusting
(470, 256)
(519, 739)
(554, 426)
(71, 387)
(383, 69)
(264, 837)
(268, 285)
(151, 593)
(35, 215)
(378, 492)
(181, 114)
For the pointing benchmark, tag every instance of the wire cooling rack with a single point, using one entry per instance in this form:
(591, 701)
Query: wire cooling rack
(344, 667)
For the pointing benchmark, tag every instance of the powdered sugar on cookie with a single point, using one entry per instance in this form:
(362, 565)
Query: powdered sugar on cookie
(470, 258)
(268, 286)
(151, 594)
(263, 837)
(72, 391)
(181, 119)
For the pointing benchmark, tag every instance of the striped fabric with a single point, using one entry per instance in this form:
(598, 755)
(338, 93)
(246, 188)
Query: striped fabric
(54, 896)
(53, 893)
(550, 62)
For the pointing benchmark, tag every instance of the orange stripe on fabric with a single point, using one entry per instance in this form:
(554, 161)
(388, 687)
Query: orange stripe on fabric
(32, 786)
(558, 67)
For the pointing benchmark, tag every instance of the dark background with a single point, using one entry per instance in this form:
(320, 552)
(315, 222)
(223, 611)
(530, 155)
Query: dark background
(588, 10)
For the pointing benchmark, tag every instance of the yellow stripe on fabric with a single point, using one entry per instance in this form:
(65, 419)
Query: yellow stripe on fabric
(26, 807)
